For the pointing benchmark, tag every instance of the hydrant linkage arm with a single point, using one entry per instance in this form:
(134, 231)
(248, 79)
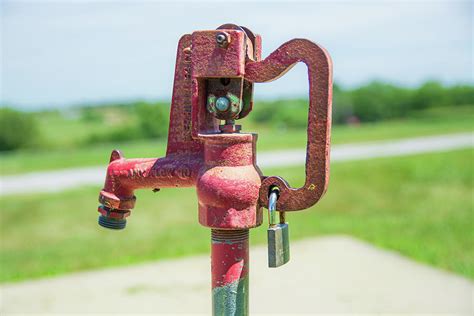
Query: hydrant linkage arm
(319, 66)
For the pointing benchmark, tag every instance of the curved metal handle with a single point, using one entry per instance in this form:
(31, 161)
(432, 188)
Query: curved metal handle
(319, 66)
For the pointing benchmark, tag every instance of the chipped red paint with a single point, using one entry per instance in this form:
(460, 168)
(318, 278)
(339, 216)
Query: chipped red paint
(229, 256)
(218, 159)
(230, 268)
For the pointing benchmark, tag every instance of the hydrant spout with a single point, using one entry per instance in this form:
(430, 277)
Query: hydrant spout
(124, 176)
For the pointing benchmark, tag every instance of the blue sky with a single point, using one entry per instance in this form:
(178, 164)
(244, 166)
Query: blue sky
(63, 53)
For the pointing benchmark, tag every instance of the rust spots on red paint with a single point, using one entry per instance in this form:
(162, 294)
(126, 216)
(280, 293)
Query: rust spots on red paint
(228, 185)
(319, 66)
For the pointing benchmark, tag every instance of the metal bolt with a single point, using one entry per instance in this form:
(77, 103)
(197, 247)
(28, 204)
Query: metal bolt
(222, 39)
(222, 104)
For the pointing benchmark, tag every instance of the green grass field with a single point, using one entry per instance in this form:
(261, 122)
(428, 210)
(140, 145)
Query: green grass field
(420, 206)
(430, 122)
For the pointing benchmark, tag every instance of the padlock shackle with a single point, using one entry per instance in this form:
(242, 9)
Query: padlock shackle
(319, 66)
(272, 201)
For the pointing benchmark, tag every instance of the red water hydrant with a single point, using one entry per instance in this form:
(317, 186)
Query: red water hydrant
(213, 87)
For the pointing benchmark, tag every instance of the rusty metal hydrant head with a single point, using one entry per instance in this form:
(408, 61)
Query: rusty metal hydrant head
(213, 88)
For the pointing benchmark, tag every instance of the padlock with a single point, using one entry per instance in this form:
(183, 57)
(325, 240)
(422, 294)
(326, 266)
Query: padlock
(278, 235)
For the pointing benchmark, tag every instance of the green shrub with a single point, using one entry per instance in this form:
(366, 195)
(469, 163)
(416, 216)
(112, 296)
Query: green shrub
(378, 101)
(91, 114)
(153, 119)
(430, 94)
(117, 134)
(461, 94)
(282, 113)
(145, 121)
(342, 107)
(18, 129)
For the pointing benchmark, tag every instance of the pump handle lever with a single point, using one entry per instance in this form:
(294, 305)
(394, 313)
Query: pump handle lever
(319, 66)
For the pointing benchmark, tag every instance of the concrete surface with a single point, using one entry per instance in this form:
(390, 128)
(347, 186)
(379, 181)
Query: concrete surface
(335, 274)
(54, 181)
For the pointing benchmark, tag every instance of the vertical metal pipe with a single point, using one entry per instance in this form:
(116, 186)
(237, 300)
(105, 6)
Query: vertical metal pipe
(230, 266)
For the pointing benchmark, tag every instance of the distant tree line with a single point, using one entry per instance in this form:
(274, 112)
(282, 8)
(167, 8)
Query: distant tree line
(369, 103)
(375, 101)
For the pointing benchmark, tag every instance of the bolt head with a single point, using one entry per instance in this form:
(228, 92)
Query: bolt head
(222, 104)
(222, 39)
